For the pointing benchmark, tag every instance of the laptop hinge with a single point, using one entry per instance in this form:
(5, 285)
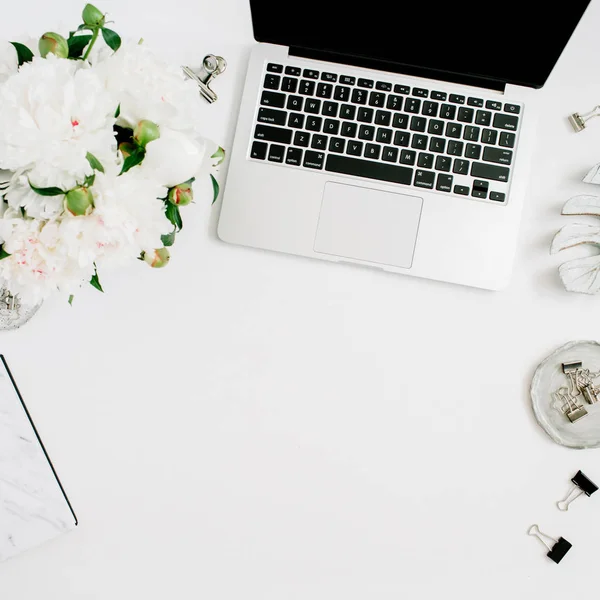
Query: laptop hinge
(380, 65)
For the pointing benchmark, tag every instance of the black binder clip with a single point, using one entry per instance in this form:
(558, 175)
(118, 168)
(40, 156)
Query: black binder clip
(556, 548)
(581, 485)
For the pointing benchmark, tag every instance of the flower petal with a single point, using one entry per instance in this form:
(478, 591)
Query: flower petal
(582, 205)
(581, 275)
(593, 175)
(573, 235)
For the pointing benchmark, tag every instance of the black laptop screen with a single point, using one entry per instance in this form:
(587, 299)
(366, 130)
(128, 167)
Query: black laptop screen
(507, 42)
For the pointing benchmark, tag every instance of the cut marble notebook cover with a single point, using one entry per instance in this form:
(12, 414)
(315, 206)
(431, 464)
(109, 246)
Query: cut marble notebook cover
(33, 505)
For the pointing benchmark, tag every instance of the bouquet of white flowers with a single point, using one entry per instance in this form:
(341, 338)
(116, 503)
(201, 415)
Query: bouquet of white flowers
(99, 148)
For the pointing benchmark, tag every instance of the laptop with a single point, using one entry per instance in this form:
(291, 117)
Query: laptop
(396, 136)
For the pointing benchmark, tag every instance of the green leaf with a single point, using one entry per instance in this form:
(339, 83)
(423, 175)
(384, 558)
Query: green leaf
(24, 54)
(51, 191)
(94, 162)
(89, 180)
(219, 155)
(112, 38)
(168, 239)
(95, 282)
(71, 300)
(3, 253)
(77, 45)
(83, 26)
(135, 158)
(174, 216)
(118, 112)
(215, 184)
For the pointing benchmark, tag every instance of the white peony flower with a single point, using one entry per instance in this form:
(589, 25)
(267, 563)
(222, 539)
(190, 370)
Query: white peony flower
(20, 195)
(9, 62)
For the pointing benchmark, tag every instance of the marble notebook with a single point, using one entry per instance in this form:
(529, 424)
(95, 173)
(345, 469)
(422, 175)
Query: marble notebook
(33, 505)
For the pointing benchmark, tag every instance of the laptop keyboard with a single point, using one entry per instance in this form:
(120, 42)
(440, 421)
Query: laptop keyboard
(413, 136)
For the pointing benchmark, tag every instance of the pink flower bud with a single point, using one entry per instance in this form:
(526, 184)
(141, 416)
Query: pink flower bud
(157, 258)
(146, 132)
(79, 201)
(181, 194)
(92, 17)
(53, 43)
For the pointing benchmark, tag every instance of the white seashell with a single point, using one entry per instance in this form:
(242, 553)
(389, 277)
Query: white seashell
(581, 275)
(593, 175)
(582, 205)
(573, 235)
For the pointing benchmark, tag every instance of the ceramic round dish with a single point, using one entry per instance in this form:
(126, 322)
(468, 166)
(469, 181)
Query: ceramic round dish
(549, 377)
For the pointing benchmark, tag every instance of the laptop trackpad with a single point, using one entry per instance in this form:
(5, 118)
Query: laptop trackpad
(370, 225)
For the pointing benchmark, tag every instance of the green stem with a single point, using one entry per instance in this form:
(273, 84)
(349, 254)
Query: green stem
(92, 42)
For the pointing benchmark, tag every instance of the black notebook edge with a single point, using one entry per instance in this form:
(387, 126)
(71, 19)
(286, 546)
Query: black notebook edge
(37, 435)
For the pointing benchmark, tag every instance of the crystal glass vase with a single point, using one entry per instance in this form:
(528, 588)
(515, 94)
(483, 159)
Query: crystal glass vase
(14, 313)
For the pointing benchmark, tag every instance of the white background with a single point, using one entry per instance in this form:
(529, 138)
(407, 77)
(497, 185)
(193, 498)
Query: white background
(251, 425)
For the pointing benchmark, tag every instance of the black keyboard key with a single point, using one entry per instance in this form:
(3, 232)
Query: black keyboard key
(384, 135)
(314, 160)
(390, 154)
(466, 114)
(424, 179)
(319, 142)
(346, 80)
(489, 136)
(437, 144)
(289, 84)
(457, 98)
(463, 190)
(507, 140)
(394, 102)
(439, 96)
(331, 127)
(337, 145)
(407, 157)
(487, 171)
(448, 112)
(273, 134)
(418, 123)
(383, 117)
(512, 108)
(293, 157)
(365, 115)
(354, 148)
(497, 196)
(460, 167)
(455, 148)
(259, 150)
(274, 68)
(502, 121)
(377, 99)
(372, 151)
(311, 74)
(419, 142)
(421, 92)
(383, 86)
(435, 127)
(341, 93)
(401, 89)
(412, 105)
(480, 189)
(497, 155)
(330, 109)
(473, 151)
(443, 163)
(478, 102)
(324, 90)
(400, 121)
(276, 153)
(295, 71)
(296, 120)
(366, 132)
(349, 129)
(314, 123)
(365, 83)
(331, 77)
(453, 130)
(295, 102)
(312, 106)
(347, 111)
(369, 169)
(272, 116)
(307, 88)
(401, 138)
(272, 82)
(301, 138)
(493, 105)
(483, 117)
(471, 133)
(430, 109)
(273, 99)
(425, 160)
(359, 96)
(444, 183)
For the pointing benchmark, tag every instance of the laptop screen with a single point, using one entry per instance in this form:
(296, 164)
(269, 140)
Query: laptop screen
(507, 42)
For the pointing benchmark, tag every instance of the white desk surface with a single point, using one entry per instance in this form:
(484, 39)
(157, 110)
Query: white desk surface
(251, 425)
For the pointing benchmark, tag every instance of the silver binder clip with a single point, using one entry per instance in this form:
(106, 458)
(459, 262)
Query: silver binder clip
(571, 407)
(211, 67)
(578, 121)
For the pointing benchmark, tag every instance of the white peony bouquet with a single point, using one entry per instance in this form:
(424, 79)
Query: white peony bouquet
(100, 144)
